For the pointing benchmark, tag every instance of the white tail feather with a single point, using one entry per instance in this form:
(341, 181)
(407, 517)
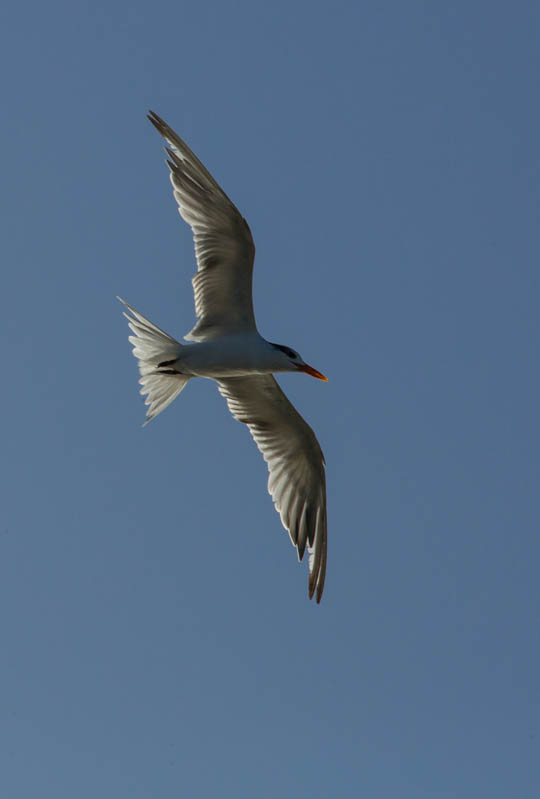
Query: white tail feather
(152, 346)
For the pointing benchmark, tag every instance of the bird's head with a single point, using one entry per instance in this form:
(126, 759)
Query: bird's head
(287, 360)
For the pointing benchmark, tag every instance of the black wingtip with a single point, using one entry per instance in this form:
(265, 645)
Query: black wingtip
(157, 122)
(316, 580)
(318, 595)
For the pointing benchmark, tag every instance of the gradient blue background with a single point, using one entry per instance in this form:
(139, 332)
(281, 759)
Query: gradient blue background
(156, 637)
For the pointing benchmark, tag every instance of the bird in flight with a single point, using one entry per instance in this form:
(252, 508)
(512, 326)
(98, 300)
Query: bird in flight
(226, 346)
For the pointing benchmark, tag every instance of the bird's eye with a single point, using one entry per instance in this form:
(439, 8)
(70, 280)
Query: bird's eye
(288, 352)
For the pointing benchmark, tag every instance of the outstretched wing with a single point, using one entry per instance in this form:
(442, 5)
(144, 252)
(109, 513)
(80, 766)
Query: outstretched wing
(223, 243)
(295, 461)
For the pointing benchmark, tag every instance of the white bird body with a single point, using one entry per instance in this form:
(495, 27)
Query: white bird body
(236, 355)
(225, 346)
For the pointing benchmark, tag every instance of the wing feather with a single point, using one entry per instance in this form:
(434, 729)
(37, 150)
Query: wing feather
(224, 245)
(295, 462)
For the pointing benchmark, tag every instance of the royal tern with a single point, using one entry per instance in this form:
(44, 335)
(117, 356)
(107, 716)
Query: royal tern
(226, 347)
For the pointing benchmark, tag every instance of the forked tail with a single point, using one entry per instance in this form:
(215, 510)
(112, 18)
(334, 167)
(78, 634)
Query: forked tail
(155, 351)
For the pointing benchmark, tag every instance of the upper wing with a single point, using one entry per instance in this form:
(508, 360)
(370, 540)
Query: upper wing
(223, 243)
(295, 461)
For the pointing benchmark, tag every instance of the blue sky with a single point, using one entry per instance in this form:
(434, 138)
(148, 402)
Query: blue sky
(157, 639)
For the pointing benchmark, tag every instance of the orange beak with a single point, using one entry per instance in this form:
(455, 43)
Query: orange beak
(309, 370)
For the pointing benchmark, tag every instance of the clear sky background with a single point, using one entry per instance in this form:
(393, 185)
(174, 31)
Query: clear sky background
(156, 636)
